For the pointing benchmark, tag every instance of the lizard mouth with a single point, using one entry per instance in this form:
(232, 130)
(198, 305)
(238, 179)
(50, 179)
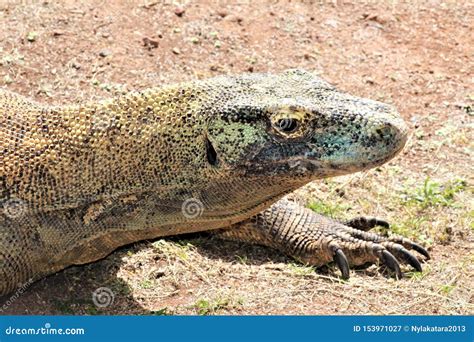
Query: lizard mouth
(379, 142)
(352, 161)
(315, 164)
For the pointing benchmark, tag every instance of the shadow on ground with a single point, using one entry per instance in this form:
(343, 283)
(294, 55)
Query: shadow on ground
(97, 289)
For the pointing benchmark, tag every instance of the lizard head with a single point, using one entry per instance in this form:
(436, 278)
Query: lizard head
(295, 125)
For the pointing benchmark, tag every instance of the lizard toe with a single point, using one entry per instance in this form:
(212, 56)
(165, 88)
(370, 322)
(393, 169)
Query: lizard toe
(342, 263)
(403, 254)
(391, 262)
(356, 252)
(395, 239)
(362, 248)
(366, 223)
(410, 245)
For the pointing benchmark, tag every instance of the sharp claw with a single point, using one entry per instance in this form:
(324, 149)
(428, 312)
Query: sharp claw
(381, 223)
(421, 250)
(392, 263)
(411, 259)
(342, 263)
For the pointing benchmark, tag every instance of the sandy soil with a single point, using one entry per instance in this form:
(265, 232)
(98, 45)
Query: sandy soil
(418, 56)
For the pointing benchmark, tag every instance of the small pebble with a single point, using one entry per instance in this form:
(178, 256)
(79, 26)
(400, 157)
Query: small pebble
(179, 11)
(7, 79)
(76, 65)
(31, 37)
(150, 43)
(235, 18)
(222, 13)
(105, 53)
(176, 51)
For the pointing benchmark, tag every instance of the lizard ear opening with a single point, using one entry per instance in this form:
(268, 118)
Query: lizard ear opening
(211, 153)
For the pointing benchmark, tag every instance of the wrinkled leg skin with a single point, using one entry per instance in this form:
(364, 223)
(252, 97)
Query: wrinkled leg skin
(318, 240)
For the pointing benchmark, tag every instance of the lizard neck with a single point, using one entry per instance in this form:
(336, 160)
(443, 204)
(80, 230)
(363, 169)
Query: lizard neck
(132, 143)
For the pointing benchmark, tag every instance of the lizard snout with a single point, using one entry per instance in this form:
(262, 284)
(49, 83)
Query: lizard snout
(368, 134)
(390, 133)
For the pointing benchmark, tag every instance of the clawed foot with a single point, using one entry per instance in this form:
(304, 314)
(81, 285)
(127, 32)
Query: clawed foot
(318, 240)
(352, 244)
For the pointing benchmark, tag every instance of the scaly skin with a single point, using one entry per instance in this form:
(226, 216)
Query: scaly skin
(78, 181)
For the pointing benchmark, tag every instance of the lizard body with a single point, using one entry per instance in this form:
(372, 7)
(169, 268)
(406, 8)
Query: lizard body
(78, 181)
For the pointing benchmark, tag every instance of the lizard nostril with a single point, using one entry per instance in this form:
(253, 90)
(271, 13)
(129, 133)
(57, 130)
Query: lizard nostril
(391, 134)
(385, 131)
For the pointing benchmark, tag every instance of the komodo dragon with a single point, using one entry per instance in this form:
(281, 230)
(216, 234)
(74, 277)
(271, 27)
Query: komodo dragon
(78, 181)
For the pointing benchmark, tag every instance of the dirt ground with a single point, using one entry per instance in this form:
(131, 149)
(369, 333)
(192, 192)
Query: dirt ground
(418, 56)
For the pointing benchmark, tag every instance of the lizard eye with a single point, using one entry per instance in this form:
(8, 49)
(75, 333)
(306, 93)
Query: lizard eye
(287, 125)
(287, 122)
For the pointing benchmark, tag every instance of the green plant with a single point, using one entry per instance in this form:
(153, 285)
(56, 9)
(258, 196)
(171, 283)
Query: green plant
(328, 208)
(433, 194)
